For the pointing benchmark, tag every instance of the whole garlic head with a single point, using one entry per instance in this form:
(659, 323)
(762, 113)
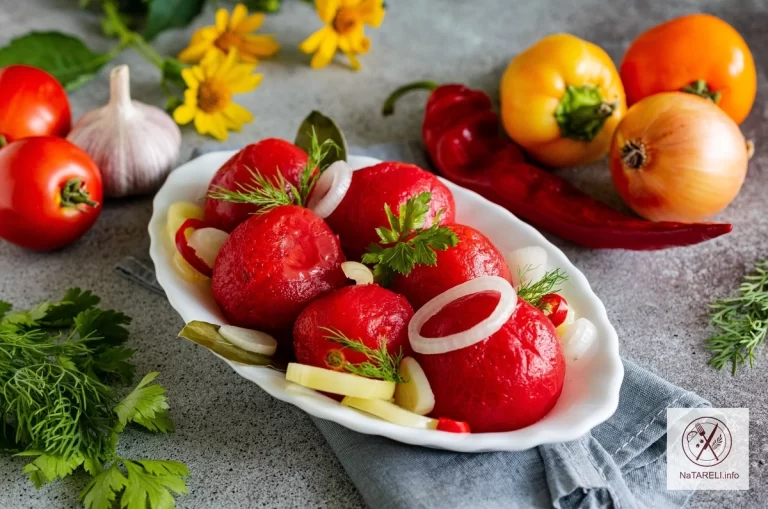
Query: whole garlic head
(134, 144)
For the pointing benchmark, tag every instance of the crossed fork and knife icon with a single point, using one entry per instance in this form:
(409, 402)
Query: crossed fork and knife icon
(707, 440)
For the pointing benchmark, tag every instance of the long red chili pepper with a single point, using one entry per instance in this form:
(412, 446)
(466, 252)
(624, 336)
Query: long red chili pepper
(462, 136)
(188, 252)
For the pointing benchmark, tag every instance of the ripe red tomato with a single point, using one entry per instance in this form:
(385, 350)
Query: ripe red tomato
(50, 194)
(32, 103)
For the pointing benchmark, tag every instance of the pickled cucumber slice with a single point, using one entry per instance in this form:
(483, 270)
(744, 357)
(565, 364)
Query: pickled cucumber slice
(336, 382)
(390, 412)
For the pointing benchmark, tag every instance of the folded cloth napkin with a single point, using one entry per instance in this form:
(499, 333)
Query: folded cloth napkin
(620, 464)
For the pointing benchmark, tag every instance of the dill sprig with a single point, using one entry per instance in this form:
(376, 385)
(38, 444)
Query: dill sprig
(380, 364)
(270, 193)
(742, 322)
(533, 291)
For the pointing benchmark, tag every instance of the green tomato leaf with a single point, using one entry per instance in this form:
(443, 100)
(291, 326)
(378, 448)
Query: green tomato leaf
(207, 335)
(324, 129)
(165, 14)
(65, 57)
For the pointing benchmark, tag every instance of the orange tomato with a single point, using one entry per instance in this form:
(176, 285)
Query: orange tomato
(697, 53)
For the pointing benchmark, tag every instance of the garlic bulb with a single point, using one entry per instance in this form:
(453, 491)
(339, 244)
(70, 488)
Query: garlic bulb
(135, 145)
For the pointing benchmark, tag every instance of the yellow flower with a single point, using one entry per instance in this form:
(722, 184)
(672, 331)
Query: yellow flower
(208, 98)
(231, 33)
(343, 30)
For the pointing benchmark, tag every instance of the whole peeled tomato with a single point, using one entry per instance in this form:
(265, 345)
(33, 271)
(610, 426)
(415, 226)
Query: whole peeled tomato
(505, 382)
(273, 265)
(474, 256)
(50, 193)
(698, 53)
(267, 157)
(361, 210)
(32, 103)
(678, 157)
(365, 313)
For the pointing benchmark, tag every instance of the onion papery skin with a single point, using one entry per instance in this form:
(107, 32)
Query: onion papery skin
(678, 157)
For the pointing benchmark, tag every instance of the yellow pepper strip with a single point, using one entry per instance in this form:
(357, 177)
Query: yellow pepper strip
(561, 100)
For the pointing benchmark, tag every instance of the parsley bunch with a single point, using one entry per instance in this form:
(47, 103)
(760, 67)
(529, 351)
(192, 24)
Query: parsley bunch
(59, 363)
(407, 243)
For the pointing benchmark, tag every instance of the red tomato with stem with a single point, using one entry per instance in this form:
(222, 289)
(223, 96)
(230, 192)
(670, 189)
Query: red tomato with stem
(50, 194)
(32, 103)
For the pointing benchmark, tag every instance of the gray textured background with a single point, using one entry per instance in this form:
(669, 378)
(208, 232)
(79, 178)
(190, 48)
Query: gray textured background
(247, 450)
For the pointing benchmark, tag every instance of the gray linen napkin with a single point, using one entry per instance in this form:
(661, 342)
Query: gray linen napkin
(621, 463)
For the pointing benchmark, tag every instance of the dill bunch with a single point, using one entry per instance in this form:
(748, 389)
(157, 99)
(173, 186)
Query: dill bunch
(380, 364)
(533, 291)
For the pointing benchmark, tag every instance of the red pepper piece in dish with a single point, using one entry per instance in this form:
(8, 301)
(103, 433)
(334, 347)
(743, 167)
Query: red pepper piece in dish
(452, 426)
(462, 136)
(188, 252)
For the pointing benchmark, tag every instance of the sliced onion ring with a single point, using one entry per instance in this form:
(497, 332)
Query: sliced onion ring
(207, 243)
(330, 189)
(188, 252)
(357, 272)
(248, 339)
(477, 333)
(578, 339)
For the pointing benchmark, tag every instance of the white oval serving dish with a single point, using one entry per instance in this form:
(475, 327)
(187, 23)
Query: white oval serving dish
(591, 389)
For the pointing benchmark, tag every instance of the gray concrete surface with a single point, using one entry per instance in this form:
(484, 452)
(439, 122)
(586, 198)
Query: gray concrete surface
(247, 450)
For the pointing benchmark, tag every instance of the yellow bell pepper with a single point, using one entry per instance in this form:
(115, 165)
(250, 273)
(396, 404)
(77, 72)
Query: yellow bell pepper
(561, 100)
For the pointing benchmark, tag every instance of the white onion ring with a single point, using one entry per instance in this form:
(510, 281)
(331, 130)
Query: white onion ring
(357, 272)
(207, 243)
(330, 189)
(477, 333)
(249, 340)
(529, 262)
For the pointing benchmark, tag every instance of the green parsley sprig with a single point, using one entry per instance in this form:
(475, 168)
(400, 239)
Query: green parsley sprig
(380, 364)
(533, 291)
(406, 243)
(59, 406)
(270, 193)
(741, 322)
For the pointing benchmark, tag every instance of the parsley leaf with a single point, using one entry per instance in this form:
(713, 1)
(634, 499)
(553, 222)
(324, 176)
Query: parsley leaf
(150, 482)
(46, 468)
(104, 325)
(63, 313)
(144, 405)
(4, 308)
(406, 243)
(102, 491)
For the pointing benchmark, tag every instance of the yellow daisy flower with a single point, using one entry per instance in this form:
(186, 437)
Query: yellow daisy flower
(344, 30)
(208, 98)
(230, 33)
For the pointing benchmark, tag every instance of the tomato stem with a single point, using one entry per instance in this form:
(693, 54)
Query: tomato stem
(73, 194)
(3, 141)
(582, 112)
(700, 88)
(389, 105)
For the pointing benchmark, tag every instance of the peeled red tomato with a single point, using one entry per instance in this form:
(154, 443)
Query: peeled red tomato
(362, 210)
(506, 382)
(365, 313)
(273, 265)
(473, 257)
(268, 157)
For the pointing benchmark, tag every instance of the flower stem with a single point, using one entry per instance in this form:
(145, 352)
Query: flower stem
(130, 38)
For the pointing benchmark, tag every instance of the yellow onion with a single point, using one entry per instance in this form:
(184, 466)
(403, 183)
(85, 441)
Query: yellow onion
(678, 157)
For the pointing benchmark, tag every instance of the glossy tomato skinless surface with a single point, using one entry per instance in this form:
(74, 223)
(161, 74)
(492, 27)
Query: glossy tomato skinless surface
(473, 257)
(362, 210)
(33, 173)
(32, 103)
(267, 157)
(505, 382)
(366, 313)
(273, 265)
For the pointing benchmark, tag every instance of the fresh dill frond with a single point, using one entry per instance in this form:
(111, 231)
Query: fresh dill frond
(533, 291)
(741, 322)
(380, 364)
(268, 194)
(406, 243)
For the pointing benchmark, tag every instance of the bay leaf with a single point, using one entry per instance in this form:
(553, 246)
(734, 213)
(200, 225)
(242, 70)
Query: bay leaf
(325, 129)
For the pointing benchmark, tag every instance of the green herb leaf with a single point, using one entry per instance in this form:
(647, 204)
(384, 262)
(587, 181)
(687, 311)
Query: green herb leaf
(64, 312)
(381, 364)
(533, 291)
(46, 468)
(4, 308)
(143, 404)
(64, 56)
(145, 487)
(165, 14)
(268, 6)
(406, 243)
(316, 129)
(207, 335)
(105, 326)
(741, 322)
(103, 489)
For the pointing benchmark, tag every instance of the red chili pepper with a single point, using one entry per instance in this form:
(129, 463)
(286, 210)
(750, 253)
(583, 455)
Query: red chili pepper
(555, 307)
(451, 426)
(462, 136)
(188, 252)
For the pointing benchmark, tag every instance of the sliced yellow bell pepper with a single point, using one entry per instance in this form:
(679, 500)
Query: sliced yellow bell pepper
(561, 100)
